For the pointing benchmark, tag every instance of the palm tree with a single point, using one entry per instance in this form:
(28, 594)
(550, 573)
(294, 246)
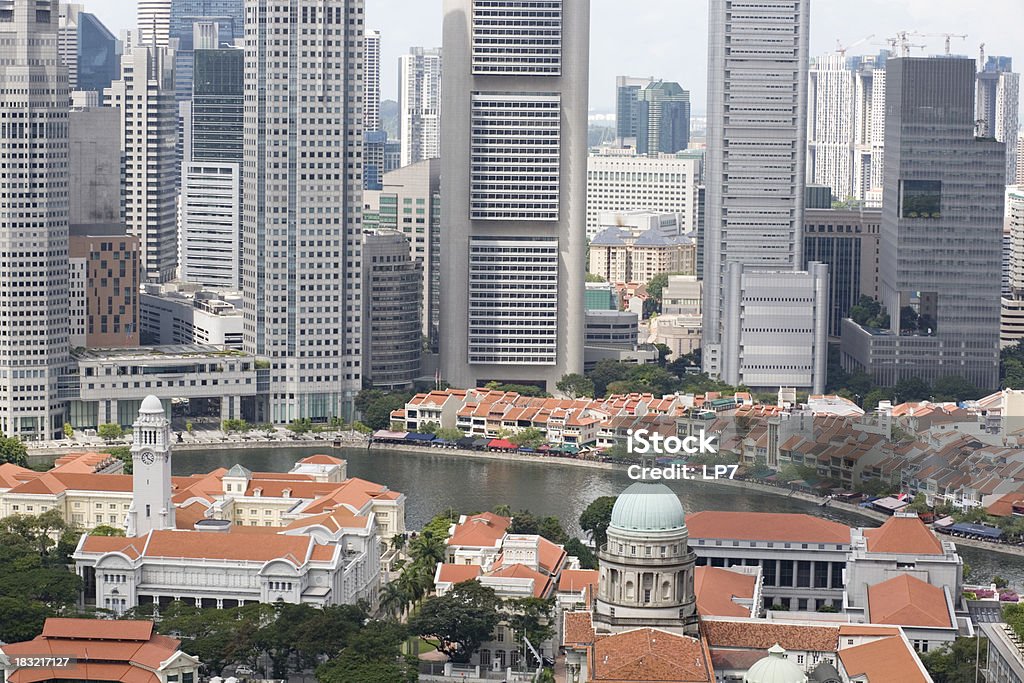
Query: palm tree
(393, 599)
(417, 580)
(427, 549)
(398, 542)
(503, 510)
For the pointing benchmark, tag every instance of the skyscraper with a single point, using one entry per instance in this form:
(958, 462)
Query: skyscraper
(301, 267)
(627, 108)
(663, 118)
(97, 63)
(154, 21)
(419, 104)
(513, 222)
(371, 80)
(846, 124)
(226, 15)
(757, 108)
(211, 179)
(998, 108)
(145, 97)
(33, 221)
(941, 235)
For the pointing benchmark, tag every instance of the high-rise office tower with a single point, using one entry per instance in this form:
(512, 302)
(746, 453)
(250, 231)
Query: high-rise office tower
(67, 39)
(513, 184)
(753, 241)
(941, 235)
(1011, 329)
(94, 165)
(371, 90)
(97, 63)
(998, 108)
(211, 177)
(663, 118)
(188, 16)
(145, 97)
(846, 124)
(627, 108)
(154, 21)
(301, 256)
(33, 221)
(419, 104)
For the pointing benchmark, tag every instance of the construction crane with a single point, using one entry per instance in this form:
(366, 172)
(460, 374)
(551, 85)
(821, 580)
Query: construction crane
(841, 49)
(947, 36)
(902, 41)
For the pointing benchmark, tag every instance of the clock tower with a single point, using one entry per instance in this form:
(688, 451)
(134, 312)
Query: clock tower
(151, 506)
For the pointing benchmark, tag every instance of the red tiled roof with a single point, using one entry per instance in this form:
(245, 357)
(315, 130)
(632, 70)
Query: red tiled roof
(908, 601)
(480, 531)
(575, 580)
(578, 628)
(550, 556)
(541, 584)
(766, 526)
(761, 635)
(887, 660)
(716, 587)
(650, 655)
(906, 535)
(457, 573)
(97, 629)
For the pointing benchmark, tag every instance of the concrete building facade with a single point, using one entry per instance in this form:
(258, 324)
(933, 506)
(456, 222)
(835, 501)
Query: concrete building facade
(392, 299)
(33, 222)
(512, 295)
(371, 80)
(753, 226)
(623, 184)
(94, 159)
(104, 267)
(301, 262)
(149, 131)
(419, 104)
(175, 314)
(942, 213)
(998, 108)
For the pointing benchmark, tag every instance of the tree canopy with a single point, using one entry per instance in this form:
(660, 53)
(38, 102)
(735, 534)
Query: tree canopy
(596, 518)
(459, 621)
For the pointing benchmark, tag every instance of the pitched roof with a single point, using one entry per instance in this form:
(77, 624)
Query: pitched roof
(245, 544)
(550, 556)
(761, 635)
(765, 526)
(541, 583)
(908, 601)
(716, 587)
(886, 659)
(97, 629)
(320, 459)
(903, 535)
(648, 654)
(578, 628)
(575, 580)
(480, 531)
(457, 573)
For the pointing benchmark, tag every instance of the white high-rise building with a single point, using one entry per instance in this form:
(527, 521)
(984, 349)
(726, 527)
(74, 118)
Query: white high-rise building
(419, 104)
(302, 189)
(33, 222)
(371, 81)
(154, 22)
(846, 124)
(513, 183)
(1020, 159)
(618, 183)
(67, 39)
(998, 106)
(210, 211)
(757, 109)
(149, 134)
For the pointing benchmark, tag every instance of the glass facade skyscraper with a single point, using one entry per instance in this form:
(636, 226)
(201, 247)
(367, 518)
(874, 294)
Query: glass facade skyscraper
(227, 14)
(662, 118)
(98, 61)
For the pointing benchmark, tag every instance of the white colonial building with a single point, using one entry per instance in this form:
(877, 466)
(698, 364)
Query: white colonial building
(234, 537)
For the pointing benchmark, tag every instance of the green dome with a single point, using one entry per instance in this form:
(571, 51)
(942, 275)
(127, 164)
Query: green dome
(648, 507)
(775, 668)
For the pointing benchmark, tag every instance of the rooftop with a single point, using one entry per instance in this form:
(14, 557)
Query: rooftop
(648, 655)
(885, 659)
(907, 535)
(908, 601)
(766, 526)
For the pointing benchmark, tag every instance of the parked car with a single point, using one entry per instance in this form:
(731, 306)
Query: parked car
(243, 671)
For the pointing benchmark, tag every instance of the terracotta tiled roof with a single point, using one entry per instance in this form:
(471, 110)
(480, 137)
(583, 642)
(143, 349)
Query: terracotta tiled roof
(551, 556)
(906, 535)
(761, 635)
(575, 580)
(229, 546)
(908, 601)
(480, 531)
(883, 661)
(649, 655)
(185, 517)
(81, 463)
(103, 651)
(716, 587)
(341, 518)
(578, 628)
(866, 630)
(457, 573)
(132, 547)
(766, 526)
(541, 584)
(56, 482)
(12, 475)
(740, 660)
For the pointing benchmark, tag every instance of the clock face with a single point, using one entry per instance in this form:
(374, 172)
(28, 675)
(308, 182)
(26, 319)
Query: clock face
(147, 457)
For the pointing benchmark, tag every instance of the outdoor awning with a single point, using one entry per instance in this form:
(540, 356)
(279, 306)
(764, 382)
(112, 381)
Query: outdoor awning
(388, 434)
(976, 530)
(417, 436)
(465, 442)
(502, 443)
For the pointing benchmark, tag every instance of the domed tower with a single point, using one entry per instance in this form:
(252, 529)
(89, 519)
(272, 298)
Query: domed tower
(775, 668)
(151, 506)
(646, 573)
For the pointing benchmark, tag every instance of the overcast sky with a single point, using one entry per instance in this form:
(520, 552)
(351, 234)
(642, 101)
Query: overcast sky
(668, 38)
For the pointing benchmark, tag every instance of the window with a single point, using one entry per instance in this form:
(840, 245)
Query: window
(920, 198)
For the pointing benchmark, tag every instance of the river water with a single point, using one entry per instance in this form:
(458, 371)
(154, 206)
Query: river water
(433, 483)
